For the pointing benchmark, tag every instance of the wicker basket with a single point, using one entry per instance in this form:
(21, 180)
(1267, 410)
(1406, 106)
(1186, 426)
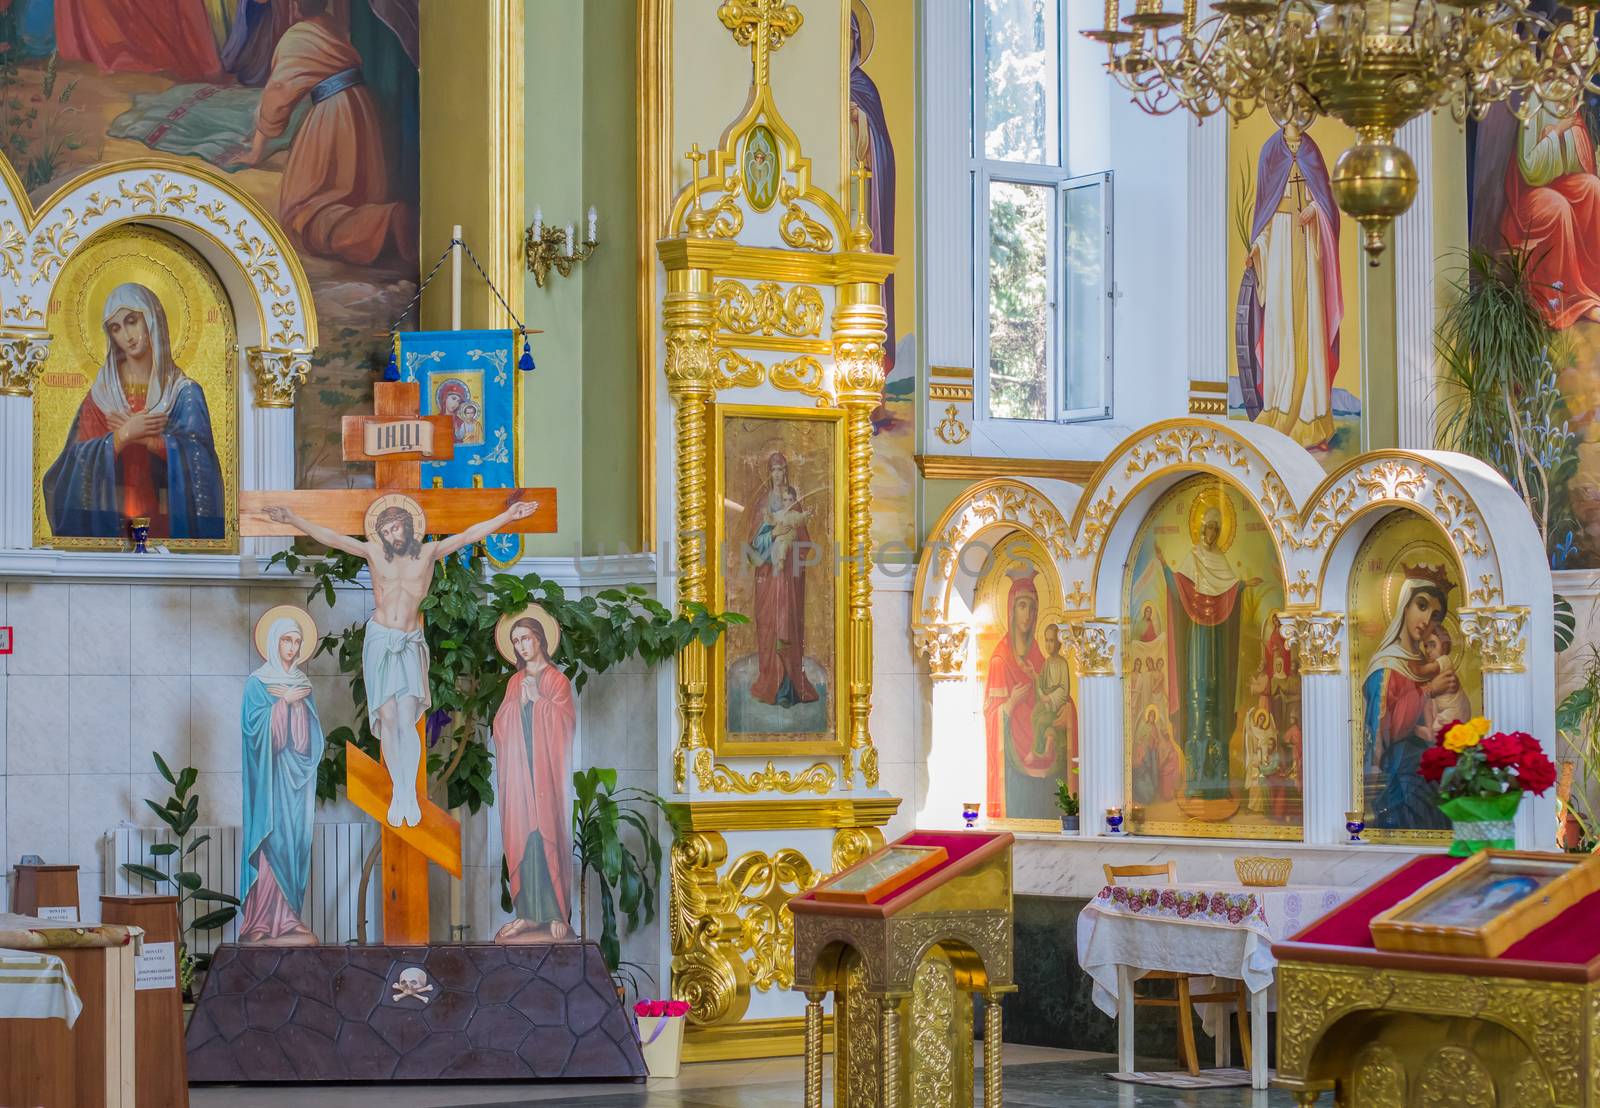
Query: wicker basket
(1264, 872)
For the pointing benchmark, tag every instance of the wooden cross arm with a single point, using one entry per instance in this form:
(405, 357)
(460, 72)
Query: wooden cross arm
(344, 510)
(437, 837)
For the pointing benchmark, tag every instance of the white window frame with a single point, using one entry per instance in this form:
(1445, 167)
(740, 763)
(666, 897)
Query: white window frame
(982, 172)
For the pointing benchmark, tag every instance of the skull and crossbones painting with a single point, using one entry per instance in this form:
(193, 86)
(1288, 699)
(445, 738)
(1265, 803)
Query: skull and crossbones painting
(413, 983)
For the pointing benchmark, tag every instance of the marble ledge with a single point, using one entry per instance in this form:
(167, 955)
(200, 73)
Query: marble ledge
(1070, 865)
(157, 568)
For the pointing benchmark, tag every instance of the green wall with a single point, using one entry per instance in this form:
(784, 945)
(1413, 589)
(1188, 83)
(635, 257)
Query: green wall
(581, 406)
(611, 399)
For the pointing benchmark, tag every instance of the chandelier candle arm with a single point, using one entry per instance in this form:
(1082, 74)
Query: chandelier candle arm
(1373, 64)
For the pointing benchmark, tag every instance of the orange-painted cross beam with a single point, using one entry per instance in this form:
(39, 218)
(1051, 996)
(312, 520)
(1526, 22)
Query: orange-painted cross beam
(394, 425)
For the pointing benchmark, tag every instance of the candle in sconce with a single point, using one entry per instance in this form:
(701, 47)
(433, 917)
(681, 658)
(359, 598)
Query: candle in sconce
(538, 223)
(593, 223)
(570, 240)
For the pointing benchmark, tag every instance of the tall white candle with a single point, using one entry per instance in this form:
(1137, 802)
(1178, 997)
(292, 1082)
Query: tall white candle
(593, 222)
(538, 223)
(570, 231)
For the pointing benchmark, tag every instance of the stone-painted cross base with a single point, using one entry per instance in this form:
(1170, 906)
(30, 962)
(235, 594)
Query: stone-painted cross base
(343, 1013)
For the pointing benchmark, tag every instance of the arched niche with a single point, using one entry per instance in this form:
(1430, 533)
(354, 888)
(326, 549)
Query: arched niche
(252, 257)
(1213, 742)
(1000, 542)
(1404, 597)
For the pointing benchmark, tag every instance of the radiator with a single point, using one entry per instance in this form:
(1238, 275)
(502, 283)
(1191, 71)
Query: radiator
(331, 908)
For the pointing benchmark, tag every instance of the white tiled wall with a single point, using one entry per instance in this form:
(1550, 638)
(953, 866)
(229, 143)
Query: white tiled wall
(101, 675)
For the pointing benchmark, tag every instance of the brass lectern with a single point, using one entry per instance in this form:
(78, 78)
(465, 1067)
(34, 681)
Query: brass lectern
(898, 938)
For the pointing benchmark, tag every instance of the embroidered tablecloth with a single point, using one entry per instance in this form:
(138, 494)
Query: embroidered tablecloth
(36, 986)
(1218, 931)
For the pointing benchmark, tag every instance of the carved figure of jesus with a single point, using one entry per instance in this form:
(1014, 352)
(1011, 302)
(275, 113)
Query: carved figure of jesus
(394, 659)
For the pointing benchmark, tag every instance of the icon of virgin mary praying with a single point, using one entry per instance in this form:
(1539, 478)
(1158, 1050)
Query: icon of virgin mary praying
(283, 742)
(141, 442)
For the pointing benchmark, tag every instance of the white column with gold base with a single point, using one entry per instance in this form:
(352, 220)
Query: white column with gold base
(1326, 774)
(956, 764)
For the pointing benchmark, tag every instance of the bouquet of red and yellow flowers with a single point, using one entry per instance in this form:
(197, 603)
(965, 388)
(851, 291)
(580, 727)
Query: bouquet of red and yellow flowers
(1481, 779)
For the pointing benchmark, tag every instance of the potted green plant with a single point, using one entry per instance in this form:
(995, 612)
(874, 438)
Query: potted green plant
(626, 872)
(179, 813)
(1068, 803)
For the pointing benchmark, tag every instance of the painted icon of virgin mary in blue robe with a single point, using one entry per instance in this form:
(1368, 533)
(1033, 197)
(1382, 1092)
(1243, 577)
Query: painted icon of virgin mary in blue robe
(283, 744)
(141, 442)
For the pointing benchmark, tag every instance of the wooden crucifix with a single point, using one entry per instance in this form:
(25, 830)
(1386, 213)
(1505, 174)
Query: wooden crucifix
(396, 517)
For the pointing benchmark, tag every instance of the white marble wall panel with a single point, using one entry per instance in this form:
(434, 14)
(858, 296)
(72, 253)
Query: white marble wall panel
(103, 675)
(38, 612)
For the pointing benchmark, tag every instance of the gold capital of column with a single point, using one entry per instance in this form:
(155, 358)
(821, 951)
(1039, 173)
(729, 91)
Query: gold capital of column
(944, 646)
(1498, 635)
(1094, 641)
(1316, 637)
(22, 357)
(277, 374)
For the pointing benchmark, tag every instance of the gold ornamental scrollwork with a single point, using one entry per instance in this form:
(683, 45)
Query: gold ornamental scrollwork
(761, 886)
(1499, 636)
(768, 309)
(950, 429)
(944, 646)
(818, 779)
(1316, 638)
(1094, 643)
(851, 844)
(277, 375)
(705, 932)
(733, 370)
(1380, 1080)
(22, 358)
(800, 231)
(802, 374)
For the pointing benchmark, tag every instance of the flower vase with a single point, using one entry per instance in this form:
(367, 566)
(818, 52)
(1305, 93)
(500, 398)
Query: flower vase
(1482, 822)
(661, 1042)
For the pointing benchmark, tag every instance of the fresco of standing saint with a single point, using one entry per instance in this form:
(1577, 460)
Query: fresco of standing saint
(1203, 592)
(533, 768)
(282, 747)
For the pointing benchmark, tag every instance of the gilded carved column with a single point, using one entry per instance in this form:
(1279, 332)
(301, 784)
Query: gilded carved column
(954, 760)
(993, 1083)
(889, 1043)
(688, 314)
(1094, 645)
(22, 356)
(1326, 776)
(860, 329)
(813, 1091)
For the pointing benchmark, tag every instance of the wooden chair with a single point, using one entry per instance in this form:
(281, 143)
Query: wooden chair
(1185, 999)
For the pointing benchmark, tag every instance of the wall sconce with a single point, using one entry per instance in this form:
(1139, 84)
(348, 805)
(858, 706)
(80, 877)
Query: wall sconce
(556, 247)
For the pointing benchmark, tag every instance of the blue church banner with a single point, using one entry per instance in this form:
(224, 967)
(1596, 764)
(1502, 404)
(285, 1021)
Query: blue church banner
(471, 376)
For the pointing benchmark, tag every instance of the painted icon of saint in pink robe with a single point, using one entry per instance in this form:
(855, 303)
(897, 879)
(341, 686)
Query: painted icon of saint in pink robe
(533, 754)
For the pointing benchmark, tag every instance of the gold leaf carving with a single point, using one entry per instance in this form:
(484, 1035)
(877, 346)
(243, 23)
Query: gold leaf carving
(768, 309)
(817, 779)
(1455, 1078)
(53, 244)
(798, 229)
(802, 374)
(734, 370)
(761, 886)
(157, 195)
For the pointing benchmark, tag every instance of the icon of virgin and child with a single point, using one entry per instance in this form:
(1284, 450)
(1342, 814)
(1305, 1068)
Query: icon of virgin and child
(1030, 720)
(1409, 689)
(141, 443)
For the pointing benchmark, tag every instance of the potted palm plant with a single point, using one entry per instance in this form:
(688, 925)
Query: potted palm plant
(1068, 803)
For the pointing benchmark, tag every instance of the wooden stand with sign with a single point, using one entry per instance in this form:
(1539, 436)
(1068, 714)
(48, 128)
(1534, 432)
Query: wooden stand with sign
(91, 1064)
(48, 892)
(161, 1079)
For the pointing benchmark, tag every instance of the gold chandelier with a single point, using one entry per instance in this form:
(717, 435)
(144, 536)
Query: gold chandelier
(1374, 64)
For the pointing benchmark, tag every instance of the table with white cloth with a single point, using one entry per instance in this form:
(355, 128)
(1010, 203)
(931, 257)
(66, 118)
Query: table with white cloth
(1218, 931)
(36, 986)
